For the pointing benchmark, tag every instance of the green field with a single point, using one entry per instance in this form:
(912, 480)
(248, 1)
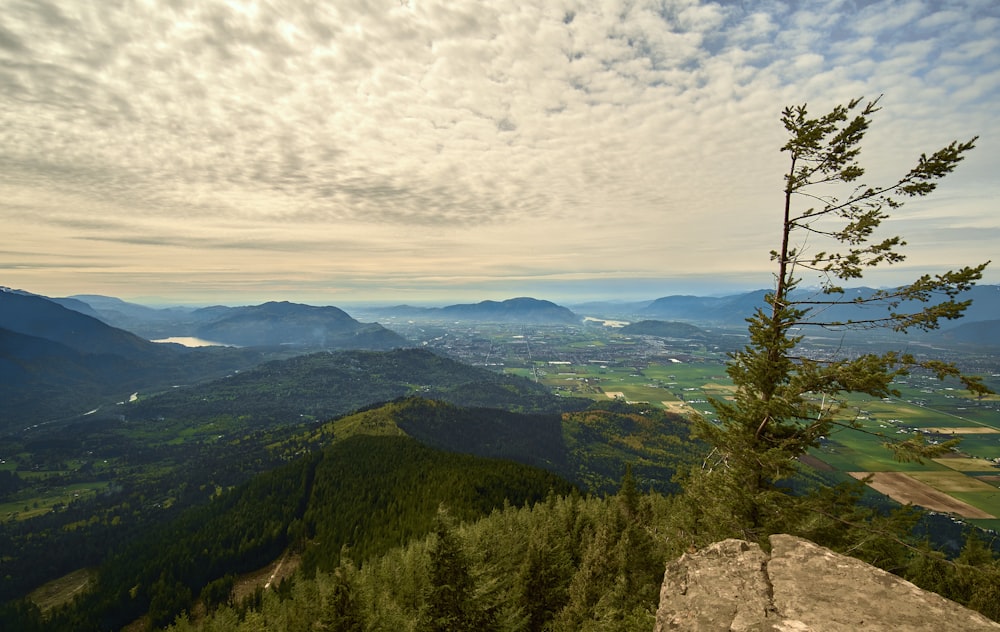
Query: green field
(51, 498)
(937, 410)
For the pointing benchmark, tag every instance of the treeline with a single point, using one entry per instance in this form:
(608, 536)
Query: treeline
(370, 492)
(373, 493)
(567, 563)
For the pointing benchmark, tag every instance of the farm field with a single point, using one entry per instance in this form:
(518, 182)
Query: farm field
(45, 501)
(683, 380)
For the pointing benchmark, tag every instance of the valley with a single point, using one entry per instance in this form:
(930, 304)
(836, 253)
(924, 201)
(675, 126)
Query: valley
(682, 375)
(580, 401)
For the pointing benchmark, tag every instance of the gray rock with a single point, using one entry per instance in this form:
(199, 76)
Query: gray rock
(800, 587)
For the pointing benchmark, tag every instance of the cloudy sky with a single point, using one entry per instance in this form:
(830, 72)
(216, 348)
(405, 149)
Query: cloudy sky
(344, 151)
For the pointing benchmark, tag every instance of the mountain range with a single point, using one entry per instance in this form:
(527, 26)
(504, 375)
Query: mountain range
(734, 309)
(58, 359)
(269, 324)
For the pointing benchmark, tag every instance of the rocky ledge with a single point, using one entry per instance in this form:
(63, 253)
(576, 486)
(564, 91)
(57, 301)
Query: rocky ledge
(800, 587)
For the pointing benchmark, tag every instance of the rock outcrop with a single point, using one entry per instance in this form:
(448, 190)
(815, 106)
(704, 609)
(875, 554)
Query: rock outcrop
(799, 587)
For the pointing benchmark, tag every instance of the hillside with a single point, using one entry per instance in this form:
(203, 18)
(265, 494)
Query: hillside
(284, 323)
(983, 333)
(324, 385)
(57, 363)
(589, 448)
(664, 329)
(368, 493)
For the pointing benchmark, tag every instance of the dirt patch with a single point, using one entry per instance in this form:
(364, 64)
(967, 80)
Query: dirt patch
(680, 408)
(906, 489)
(62, 590)
(816, 463)
(267, 577)
(615, 394)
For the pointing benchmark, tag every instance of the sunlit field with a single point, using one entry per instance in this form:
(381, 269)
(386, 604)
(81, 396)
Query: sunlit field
(684, 380)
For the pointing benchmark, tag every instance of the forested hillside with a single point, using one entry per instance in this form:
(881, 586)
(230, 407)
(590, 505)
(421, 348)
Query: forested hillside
(323, 385)
(372, 493)
(589, 448)
(565, 564)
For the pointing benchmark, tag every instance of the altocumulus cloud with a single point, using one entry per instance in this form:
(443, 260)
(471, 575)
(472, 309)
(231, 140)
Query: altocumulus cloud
(406, 126)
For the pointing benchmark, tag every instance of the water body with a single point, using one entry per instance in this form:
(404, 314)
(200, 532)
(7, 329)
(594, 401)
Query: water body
(189, 341)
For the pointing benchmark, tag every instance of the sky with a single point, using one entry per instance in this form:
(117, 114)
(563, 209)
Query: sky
(412, 151)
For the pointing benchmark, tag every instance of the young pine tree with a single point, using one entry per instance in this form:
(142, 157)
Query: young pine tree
(784, 401)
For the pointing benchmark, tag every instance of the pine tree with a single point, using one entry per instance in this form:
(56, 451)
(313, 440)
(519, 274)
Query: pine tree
(784, 401)
(450, 599)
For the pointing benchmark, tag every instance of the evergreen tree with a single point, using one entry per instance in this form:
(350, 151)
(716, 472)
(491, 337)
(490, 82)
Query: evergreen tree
(450, 598)
(341, 608)
(784, 401)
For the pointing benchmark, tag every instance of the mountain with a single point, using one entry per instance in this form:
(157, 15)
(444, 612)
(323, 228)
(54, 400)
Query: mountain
(515, 310)
(735, 309)
(663, 329)
(267, 325)
(56, 362)
(284, 323)
(983, 332)
(148, 322)
(705, 309)
(521, 310)
(38, 316)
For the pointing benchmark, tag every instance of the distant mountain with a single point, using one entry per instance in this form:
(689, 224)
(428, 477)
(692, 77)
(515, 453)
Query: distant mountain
(610, 309)
(983, 332)
(266, 325)
(735, 309)
(149, 322)
(56, 362)
(705, 309)
(38, 316)
(663, 329)
(530, 311)
(284, 323)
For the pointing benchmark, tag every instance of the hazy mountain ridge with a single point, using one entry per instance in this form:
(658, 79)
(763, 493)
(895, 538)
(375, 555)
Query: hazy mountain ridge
(40, 317)
(515, 310)
(269, 324)
(982, 332)
(734, 309)
(284, 323)
(57, 362)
